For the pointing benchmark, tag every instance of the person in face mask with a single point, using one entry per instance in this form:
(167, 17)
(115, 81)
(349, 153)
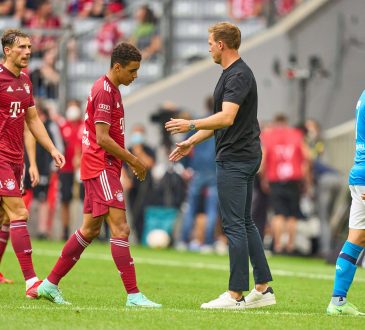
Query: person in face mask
(71, 129)
(138, 191)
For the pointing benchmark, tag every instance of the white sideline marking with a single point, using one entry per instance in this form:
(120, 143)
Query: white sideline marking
(196, 265)
(163, 309)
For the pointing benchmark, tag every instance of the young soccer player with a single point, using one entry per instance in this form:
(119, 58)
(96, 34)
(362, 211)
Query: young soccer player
(103, 152)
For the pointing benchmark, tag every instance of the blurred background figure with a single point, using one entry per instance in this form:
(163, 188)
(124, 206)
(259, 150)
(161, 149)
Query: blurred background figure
(44, 211)
(327, 184)
(139, 192)
(71, 129)
(202, 189)
(46, 78)
(285, 167)
(245, 9)
(146, 36)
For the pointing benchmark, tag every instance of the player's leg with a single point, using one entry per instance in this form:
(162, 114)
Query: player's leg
(20, 239)
(346, 261)
(66, 181)
(70, 254)
(122, 258)
(4, 237)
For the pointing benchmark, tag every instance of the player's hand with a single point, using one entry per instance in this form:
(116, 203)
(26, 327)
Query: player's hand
(183, 148)
(138, 168)
(175, 126)
(34, 175)
(58, 158)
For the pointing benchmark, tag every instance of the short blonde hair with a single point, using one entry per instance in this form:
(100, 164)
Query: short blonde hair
(227, 32)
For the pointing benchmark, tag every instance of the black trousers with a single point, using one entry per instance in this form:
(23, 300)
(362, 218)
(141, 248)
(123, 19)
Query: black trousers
(235, 187)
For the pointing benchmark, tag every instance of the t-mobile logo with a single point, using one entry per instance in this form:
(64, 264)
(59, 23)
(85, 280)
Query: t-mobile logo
(15, 108)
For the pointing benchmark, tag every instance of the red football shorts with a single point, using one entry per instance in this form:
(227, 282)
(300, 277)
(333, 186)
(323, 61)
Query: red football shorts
(11, 179)
(103, 192)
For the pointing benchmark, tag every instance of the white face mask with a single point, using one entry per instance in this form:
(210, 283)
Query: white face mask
(73, 113)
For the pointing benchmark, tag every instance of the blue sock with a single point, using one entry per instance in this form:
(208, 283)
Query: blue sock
(346, 268)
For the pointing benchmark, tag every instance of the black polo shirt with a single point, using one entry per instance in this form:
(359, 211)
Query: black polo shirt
(241, 141)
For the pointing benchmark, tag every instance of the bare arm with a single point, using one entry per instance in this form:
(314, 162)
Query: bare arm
(104, 140)
(40, 133)
(30, 147)
(222, 119)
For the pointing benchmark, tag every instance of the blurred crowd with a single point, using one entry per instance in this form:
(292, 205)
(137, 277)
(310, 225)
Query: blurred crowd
(178, 198)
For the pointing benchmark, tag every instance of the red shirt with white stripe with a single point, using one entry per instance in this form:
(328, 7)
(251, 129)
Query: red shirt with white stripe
(16, 98)
(104, 106)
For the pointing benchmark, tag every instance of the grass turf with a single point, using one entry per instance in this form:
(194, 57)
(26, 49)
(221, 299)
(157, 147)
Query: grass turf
(181, 282)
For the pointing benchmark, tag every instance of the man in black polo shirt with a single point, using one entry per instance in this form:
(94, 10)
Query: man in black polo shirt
(238, 157)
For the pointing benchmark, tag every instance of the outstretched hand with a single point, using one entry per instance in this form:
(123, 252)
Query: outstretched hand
(175, 126)
(183, 148)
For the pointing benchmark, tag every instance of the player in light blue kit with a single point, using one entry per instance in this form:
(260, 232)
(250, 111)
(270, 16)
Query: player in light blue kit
(346, 261)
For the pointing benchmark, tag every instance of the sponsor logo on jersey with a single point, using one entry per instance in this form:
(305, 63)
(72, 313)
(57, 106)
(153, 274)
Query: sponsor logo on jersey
(10, 89)
(27, 88)
(15, 109)
(10, 184)
(119, 195)
(104, 107)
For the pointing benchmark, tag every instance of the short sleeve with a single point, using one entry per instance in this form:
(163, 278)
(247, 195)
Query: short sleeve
(236, 88)
(103, 105)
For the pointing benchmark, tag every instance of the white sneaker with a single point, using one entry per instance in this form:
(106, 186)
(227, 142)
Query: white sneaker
(224, 301)
(257, 299)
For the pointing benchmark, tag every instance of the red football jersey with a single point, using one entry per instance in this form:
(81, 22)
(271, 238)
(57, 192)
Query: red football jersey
(284, 157)
(16, 98)
(71, 132)
(104, 106)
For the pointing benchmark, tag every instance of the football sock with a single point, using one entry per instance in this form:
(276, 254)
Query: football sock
(22, 247)
(345, 269)
(70, 254)
(124, 262)
(30, 282)
(4, 237)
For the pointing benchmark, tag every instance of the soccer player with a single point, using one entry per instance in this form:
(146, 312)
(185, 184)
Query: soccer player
(16, 108)
(238, 156)
(30, 146)
(103, 152)
(346, 261)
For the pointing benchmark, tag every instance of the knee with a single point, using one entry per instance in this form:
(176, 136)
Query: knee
(21, 214)
(90, 233)
(123, 230)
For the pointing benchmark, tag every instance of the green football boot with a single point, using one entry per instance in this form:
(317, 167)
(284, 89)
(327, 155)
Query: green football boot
(52, 293)
(345, 309)
(140, 300)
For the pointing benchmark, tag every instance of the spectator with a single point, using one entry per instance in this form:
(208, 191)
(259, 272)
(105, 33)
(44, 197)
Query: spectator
(201, 164)
(285, 166)
(46, 78)
(44, 163)
(146, 37)
(139, 192)
(80, 8)
(284, 7)
(71, 130)
(7, 7)
(244, 9)
(43, 18)
(109, 33)
(327, 184)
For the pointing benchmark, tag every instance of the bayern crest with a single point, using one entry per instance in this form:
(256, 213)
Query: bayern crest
(10, 184)
(27, 88)
(119, 195)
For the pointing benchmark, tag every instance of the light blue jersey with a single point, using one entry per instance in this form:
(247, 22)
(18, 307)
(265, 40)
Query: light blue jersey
(357, 173)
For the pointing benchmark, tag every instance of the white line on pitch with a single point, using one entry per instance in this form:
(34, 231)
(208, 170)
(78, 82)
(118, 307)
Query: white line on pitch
(195, 265)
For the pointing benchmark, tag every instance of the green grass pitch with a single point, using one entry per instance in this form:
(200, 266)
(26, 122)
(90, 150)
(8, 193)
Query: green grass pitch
(181, 282)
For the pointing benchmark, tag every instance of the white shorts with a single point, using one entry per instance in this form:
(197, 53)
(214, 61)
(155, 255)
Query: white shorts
(357, 211)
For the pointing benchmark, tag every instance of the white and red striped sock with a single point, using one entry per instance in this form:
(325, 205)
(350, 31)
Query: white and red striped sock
(71, 253)
(124, 262)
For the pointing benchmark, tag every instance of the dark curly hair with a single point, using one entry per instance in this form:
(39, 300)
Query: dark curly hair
(124, 53)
